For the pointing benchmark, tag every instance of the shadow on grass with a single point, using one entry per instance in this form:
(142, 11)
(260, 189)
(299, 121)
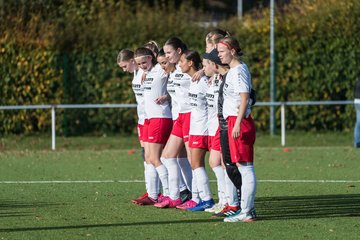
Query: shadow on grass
(12, 208)
(268, 208)
(305, 207)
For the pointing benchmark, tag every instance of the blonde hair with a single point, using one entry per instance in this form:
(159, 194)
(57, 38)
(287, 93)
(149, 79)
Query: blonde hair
(153, 46)
(216, 35)
(125, 55)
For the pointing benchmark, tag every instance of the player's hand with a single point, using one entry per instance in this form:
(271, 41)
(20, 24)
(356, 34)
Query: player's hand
(161, 99)
(236, 131)
(199, 74)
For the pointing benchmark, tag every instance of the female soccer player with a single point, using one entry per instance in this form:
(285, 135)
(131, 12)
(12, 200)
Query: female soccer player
(173, 49)
(241, 127)
(158, 122)
(170, 68)
(126, 62)
(190, 63)
(228, 204)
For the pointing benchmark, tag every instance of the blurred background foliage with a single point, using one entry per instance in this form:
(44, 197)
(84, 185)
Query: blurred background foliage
(64, 51)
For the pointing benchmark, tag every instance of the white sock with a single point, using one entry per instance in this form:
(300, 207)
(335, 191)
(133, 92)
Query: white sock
(146, 178)
(220, 179)
(182, 184)
(194, 191)
(230, 192)
(152, 177)
(202, 181)
(163, 175)
(174, 176)
(248, 188)
(186, 171)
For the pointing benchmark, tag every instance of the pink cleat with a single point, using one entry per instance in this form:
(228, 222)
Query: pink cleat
(168, 203)
(161, 198)
(144, 195)
(186, 205)
(146, 201)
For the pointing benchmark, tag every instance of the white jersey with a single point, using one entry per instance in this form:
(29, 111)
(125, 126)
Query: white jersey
(182, 85)
(212, 96)
(238, 80)
(154, 87)
(171, 90)
(138, 89)
(199, 109)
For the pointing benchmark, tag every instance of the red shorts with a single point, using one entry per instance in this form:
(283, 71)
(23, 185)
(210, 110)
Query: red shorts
(181, 126)
(242, 148)
(140, 129)
(157, 130)
(196, 141)
(214, 141)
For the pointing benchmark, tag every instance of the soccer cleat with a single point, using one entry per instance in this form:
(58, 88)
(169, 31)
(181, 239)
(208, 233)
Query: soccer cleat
(216, 208)
(144, 195)
(161, 198)
(185, 195)
(146, 201)
(168, 203)
(226, 212)
(201, 206)
(242, 217)
(186, 205)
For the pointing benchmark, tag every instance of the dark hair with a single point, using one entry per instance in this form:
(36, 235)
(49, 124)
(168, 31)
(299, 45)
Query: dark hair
(125, 55)
(216, 35)
(193, 56)
(161, 53)
(176, 43)
(143, 51)
(153, 46)
(232, 43)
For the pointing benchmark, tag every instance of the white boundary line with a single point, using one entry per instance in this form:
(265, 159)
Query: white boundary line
(141, 181)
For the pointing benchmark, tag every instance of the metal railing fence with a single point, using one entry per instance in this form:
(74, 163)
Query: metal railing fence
(89, 106)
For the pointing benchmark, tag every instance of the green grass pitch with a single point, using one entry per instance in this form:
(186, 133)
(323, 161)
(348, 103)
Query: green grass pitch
(34, 206)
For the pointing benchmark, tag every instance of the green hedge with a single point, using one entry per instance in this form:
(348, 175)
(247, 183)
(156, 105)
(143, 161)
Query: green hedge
(65, 52)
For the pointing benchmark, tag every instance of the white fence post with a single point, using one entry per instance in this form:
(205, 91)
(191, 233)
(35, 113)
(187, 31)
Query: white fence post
(283, 124)
(53, 127)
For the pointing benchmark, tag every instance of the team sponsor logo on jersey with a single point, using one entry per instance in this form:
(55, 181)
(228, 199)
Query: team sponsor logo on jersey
(136, 85)
(179, 75)
(208, 95)
(149, 80)
(192, 95)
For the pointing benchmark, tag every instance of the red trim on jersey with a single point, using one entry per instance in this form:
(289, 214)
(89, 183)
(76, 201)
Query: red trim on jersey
(242, 148)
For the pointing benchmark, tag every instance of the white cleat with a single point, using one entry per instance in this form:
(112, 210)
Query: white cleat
(216, 208)
(242, 217)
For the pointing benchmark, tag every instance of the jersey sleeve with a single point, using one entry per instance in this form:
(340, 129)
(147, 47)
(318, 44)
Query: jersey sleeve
(242, 80)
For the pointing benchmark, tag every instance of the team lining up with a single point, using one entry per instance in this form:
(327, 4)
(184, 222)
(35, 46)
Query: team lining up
(186, 106)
